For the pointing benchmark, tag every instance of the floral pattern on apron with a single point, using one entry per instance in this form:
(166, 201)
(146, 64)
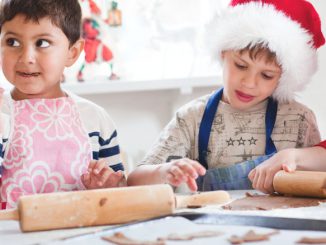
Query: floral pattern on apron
(47, 151)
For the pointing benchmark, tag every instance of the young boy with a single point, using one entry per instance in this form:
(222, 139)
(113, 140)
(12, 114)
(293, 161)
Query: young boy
(268, 52)
(51, 140)
(308, 159)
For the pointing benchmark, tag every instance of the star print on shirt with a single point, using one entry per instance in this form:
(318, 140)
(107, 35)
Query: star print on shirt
(230, 141)
(252, 141)
(241, 141)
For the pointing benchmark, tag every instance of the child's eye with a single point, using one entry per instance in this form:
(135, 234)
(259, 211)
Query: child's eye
(12, 42)
(267, 77)
(240, 66)
(41, 43)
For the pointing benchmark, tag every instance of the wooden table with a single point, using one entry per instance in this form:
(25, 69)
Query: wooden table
(10, 233)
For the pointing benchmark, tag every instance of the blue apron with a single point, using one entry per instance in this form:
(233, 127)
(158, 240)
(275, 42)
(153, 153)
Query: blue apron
(234, 177)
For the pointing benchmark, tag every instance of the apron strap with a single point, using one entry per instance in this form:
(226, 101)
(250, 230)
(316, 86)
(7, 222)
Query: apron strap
(208, 118)
(270, 118)
(206, 125)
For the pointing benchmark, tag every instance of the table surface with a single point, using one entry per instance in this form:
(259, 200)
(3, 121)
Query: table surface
(11, 234)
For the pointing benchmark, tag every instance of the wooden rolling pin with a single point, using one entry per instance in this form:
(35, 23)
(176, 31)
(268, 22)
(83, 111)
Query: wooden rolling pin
(301, 183)
(103, 206)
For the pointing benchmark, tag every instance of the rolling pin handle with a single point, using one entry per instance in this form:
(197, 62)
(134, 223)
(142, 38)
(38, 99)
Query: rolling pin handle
(202, 199)
(10, 214)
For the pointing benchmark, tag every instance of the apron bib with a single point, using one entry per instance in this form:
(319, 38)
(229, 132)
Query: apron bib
(234, 177)
(48, 149)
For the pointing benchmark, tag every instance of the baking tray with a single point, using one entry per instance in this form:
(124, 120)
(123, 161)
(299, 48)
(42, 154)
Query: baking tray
(253, 220)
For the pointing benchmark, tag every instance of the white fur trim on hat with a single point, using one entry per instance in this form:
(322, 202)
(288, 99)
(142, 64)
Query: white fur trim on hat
(254, 23)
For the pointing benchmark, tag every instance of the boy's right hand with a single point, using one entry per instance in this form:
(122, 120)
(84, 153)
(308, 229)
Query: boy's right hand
(100, 175)
(182, 170)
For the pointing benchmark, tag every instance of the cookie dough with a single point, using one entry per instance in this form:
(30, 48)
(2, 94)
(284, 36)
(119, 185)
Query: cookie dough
(251, 236)
(268, 202)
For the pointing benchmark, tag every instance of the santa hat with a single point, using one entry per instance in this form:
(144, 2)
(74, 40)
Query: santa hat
(289, 28)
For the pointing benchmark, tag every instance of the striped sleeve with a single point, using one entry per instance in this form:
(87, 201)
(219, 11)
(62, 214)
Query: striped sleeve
(108, 148)
(101, 131)
(2, 153)
(106, 141)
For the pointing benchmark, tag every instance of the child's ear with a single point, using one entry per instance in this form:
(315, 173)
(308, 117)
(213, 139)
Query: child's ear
(74, 52)
(222, 55)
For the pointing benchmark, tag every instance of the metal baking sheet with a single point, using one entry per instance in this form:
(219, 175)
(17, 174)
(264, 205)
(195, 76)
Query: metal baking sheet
(262, 221)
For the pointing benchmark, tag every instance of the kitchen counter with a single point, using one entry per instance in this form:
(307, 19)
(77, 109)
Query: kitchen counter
(11, 234)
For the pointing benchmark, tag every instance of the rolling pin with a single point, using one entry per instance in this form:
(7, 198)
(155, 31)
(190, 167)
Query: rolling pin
(301, 183)
(102, 206)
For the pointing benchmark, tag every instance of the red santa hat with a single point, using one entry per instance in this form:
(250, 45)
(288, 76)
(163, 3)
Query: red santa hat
(289, 28)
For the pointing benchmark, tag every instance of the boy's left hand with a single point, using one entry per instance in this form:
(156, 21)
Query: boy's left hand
(102, 176)
(262, 176)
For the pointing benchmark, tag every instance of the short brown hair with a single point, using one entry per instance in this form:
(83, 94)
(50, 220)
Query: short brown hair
(65, 14)
(257, 50)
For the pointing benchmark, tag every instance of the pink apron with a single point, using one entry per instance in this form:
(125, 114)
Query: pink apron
(48, 149)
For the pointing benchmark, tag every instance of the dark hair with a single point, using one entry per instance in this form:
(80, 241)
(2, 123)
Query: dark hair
(65, 14)
(257, 50)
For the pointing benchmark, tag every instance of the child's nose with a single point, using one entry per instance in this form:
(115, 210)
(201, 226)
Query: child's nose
(27, 55)
(250, 81)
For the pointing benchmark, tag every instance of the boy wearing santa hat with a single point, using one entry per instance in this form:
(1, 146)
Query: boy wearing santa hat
(267, 50)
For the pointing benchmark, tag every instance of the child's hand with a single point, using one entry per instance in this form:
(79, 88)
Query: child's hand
(262, 176)
(182, 170)
(102, 176)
